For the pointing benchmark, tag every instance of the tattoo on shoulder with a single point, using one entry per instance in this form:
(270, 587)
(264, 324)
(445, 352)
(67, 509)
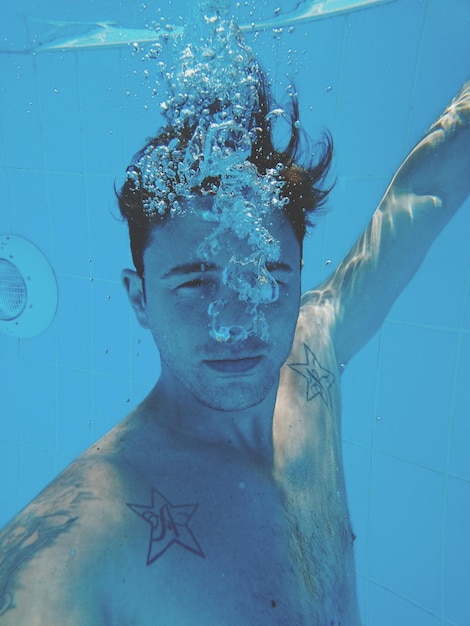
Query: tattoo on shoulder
(319, 379)
(169, 525)
(36, 528)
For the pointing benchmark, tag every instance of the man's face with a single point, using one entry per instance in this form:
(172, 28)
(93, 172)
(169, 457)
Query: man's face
(181, 284)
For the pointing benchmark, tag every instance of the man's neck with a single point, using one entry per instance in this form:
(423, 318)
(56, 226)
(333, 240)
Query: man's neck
(248, 430)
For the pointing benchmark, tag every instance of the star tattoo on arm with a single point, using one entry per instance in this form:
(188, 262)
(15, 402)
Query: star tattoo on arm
(319, 380)
(169, 525)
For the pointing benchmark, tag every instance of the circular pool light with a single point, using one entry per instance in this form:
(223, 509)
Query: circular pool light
(28, 288)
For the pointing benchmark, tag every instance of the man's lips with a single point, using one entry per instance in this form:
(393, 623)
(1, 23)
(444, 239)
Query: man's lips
(234, 366)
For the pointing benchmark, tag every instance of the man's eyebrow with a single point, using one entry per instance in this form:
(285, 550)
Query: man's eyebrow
(194, 267)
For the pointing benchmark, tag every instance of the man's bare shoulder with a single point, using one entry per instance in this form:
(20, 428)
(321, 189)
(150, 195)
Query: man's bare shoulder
(59, 553)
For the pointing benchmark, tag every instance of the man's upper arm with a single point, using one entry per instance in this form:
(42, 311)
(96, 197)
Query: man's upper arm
(376, 270)
(44, 594)
(50, 564)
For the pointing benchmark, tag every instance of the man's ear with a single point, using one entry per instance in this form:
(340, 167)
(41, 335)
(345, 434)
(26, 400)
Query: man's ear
(133, 284)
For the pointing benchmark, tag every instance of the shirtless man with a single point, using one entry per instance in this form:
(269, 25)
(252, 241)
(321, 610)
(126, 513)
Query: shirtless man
(221, 498)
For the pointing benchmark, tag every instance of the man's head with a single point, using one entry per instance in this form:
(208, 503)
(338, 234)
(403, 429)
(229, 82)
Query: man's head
(214, 169)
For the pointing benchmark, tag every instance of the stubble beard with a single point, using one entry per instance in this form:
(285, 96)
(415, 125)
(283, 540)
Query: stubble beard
(234, 396)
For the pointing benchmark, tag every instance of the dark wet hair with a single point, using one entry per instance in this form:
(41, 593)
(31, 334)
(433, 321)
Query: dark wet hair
(304, 171)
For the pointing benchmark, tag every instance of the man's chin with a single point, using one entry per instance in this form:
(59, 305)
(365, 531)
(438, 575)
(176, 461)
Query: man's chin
(239, 398)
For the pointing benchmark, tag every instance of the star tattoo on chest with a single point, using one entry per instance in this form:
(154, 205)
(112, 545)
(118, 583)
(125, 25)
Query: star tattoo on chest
(319, 380)
(169, 525)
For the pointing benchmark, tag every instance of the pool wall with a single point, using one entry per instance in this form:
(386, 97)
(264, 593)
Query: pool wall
(69, 123)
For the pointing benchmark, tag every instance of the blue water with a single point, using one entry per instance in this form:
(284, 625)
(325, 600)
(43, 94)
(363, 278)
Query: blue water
(69, 123)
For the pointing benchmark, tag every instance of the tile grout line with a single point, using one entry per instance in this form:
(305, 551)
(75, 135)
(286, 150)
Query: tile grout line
(419, 56)
(90, 289)
(54, 262)
(371, 472)
(450, 433)
(406, 599)
(445, 329)
(126, 141)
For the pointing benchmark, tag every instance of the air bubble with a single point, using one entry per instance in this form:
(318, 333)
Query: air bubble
(214, 64)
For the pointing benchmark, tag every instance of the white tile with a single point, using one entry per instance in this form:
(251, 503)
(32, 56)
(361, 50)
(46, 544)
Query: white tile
(30, 206)
(388, 609)
(6, 213)
(416, 380)
(74, 411)
(69, 223)
(37, 469)
(144, 359)
(22, 135)
(13, 30)
(110, 403)
(457, 553)
(440, 73)
(459, 451)
(10, 472)
(406, 522)
(9, 346)
(317, 265)
(9, 398)
(101, 93)
(359, 385)
(362, 596)
(357, 465)
(371, 116)
(42, 347)
(62, 461)
(109, 240)
(38, 389)
(110, 322)
(73, 323)
(59, 101)
(435, 296)
(465, 209)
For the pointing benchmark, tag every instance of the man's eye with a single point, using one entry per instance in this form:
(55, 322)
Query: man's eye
(279, 277)
(201, 283)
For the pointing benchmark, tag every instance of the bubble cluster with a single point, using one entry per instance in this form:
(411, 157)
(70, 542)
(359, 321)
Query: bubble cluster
(212, 106)
(254, 284)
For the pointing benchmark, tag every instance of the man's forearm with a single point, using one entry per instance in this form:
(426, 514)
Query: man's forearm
(440, 163)
(424, 194)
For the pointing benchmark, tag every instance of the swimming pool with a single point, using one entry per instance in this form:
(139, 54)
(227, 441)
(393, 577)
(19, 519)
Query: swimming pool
(376, 78)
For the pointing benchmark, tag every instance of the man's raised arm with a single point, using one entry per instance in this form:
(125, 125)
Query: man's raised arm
(426, 191)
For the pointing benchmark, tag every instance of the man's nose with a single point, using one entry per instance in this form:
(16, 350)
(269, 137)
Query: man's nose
(251, 279)
(245, 285)
(225, 326)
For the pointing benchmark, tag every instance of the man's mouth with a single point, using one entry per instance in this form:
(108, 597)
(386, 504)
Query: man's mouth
(234, 366)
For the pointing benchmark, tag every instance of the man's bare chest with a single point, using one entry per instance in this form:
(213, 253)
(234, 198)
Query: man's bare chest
(214, 544)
